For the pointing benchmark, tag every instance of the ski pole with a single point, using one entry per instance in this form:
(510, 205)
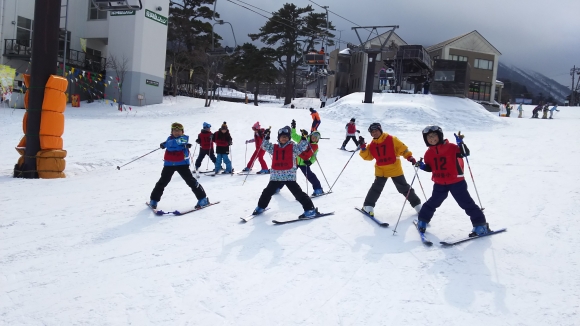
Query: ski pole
(320, 166)
(406, 197)
(246, 154)
(420, 184)
(119, 167)
(459, 135)
(342, 170)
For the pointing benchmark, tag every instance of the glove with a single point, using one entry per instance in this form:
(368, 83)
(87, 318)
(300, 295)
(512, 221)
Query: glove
(231, 142)
(361, 142)
(293, 124)
(267, 134)
(162, 145)
(412, 160)
(188, 145)
(459, 138)
(197, 141)
(358, 131)
(420, 165)
(247, 141)
(307, 163)
(304, 132)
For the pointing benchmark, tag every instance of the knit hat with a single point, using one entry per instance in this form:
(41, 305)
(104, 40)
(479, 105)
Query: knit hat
(224, 126)
(352, 120)
(256, 125)
(311, 110)
(206, 125)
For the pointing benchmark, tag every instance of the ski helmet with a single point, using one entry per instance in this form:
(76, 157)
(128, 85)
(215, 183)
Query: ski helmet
(435, 129)
(284, 132)
(352, 120)
(375, 126)
(315, 133)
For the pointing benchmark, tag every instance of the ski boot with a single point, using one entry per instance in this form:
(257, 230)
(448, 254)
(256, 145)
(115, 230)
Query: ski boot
(202, 203)
(153, 203)
(258, 210)
(264, 171)
(480, 230)
(317, 192)
(421, 226)
(246, 169)
(418, 208)
(310, 213)
(369, 210)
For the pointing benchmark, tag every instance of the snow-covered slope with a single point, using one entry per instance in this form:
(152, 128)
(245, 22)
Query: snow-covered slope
(534, 81)
(86, 250)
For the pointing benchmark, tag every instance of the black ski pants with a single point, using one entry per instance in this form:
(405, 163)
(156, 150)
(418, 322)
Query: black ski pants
(294, 188)
(349, 138)
(401, 185)
(185, 173)
(202, 154)
(459, 192)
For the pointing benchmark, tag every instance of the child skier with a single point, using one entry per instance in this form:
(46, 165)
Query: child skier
(283, 170)
(554, 108)
(177, 160)
(386, 149)
(521, 110)
(545, 111)
(445, 160)
(315, 119)
(223, 141)
(307, 158)
(205, 145)
(350, 134)
(258, 152)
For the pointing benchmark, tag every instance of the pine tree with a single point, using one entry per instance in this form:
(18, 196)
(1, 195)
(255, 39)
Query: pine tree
(284, 29)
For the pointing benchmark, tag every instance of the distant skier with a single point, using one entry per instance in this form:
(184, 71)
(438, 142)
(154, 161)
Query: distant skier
(508, 108)
(176, 159)
(445, 160)
(554, 108)
(323, 100)
(258, 152)
(223, 141)
(283, 170)
(536, 111)
(521, 110)
(205, 145)
(350, 134)
(386, 149)
(545, 111)
(315, 119)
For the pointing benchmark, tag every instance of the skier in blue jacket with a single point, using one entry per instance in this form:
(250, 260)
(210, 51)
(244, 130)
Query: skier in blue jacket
(176, 159)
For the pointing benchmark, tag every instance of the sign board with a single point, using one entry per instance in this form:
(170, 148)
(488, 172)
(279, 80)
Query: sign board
(523, 100)
(156, 17)
(151, 82)
(122, 12)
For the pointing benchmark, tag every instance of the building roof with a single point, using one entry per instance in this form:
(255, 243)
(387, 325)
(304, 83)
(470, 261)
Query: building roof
(458, 40)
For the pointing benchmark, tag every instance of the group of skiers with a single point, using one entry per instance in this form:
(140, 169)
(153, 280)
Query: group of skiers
(535, 113)
(292, 150)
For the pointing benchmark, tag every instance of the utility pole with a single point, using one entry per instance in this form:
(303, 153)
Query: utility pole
(44, 56)
(326, 45)
(572, 72)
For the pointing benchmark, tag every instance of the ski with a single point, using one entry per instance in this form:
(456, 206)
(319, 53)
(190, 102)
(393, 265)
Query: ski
(302, 218)
(323, 194)
(382, 224)
(177, 213)
(346, 150)
(160, 212)
(455, 242)
(424, 239)
(221, 173)
(251, 216)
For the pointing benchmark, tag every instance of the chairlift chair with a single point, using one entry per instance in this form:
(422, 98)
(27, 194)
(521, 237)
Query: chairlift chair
(106, 5)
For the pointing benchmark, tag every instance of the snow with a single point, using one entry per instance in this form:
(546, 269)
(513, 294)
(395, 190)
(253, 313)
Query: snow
(86, 250)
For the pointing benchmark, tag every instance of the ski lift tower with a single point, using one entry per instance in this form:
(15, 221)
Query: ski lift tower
(372, 53)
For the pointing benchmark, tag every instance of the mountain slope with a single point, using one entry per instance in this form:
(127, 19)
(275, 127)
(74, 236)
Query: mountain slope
(535, 82)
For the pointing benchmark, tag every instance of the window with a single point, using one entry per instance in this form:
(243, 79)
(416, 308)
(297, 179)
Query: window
(23, 31)
(483, 64)
(435, 57)
(445, 75)
(95, 14)
(479, 91)
(457, 58)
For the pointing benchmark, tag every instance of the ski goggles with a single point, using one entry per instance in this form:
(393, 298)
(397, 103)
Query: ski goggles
(429, 129)
(177, 126)
(284, 131)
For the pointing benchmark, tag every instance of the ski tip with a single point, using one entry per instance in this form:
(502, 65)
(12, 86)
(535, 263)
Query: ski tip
(385, 225)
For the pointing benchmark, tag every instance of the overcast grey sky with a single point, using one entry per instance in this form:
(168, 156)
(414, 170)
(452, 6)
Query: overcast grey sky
(539, 35)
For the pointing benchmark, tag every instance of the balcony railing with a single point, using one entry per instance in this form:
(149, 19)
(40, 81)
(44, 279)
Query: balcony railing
(21, 49)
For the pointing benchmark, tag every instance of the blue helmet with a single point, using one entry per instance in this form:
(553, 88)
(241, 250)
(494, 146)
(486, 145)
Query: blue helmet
(206, 125)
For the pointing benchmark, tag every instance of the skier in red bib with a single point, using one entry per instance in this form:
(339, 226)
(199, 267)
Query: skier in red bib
(445, 161)
(283, 170)
(386, 149)
(259, 152)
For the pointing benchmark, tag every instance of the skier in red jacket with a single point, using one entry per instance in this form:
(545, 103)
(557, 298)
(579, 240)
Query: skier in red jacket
(445, 161)
(259, 151)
